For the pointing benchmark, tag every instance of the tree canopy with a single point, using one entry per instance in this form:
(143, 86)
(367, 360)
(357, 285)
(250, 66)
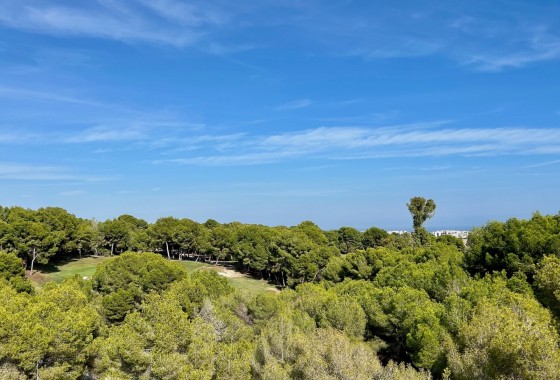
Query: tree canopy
(354, 305)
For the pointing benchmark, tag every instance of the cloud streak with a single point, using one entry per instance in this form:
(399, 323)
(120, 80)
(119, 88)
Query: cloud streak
(46, 96)
(349, 143)
(26, 172)
(116, 20)
(530, 46)
(469, 34)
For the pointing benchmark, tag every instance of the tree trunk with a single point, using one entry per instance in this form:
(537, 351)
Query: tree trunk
(80, 252)
(167, 249)
(112, 248)
(33, 258)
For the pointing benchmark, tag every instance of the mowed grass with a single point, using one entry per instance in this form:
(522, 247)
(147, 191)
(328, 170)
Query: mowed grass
(86, 266)
(236, 279)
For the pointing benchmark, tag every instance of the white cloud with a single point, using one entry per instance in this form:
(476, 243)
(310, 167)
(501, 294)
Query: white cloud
(116, 20)
(194, 142)
(107, 133)
(185, 13)
(541, 164)
(351, 143)
(537, 46)
(157, 132)
(256, 158)
(346, 137)
(472, 35)
(45, 95)
(27, 172)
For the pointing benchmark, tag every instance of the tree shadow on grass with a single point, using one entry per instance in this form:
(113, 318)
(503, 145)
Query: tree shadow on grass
(54, 263)
(46, 268)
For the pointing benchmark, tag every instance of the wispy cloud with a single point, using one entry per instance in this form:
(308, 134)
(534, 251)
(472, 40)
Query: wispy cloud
(473, 35)
(294, 105)
(116, 20)
(16, 137)
(50, 96)
(26, 172)
(190, 14)
(542, 164)
(532, 46)
(257, 158)
(469, 34)
(182, 144)
(105, 133)
(157, 132)
(351, 143)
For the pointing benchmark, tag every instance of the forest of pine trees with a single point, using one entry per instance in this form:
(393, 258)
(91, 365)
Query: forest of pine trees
(353, 305)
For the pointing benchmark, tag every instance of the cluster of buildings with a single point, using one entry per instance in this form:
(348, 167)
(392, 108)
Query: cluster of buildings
(464, 235)
(458, 234)
(455, 233)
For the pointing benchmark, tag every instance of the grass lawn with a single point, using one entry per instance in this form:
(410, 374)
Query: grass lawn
(252, 285)
(86, 266)
(236, 279)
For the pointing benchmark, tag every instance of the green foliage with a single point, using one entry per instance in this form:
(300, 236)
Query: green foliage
(349, 239)
(233, 361)
(374, 237)
(359, 298)
(513, 246)
(193, 290)
(11, 372)
(125, 280)
(329, 309)
(264, 306)
(13, 272)
(421, 210)
(437, 270)
(253, 247)
(513, 341)
(284, 351)
(118, 304)
(418, 323)
(51, 331)
(452, 241)
(547, 280)
(518, 283)
(313, 232)
(140, 272)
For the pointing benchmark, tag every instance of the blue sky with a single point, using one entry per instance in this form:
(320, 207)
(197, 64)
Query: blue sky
(279, 111)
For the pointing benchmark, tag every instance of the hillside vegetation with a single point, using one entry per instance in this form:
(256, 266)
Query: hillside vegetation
(354, 306)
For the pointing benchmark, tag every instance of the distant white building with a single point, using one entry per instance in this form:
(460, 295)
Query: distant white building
(454, 233)
(398, 232)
